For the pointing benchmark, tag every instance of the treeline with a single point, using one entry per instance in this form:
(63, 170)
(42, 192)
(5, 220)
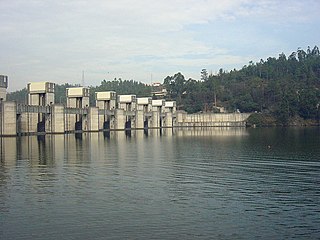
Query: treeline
(279, 89)
(282, 88)
(121, 87)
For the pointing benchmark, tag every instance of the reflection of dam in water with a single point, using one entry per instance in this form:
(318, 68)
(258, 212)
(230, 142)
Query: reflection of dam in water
(48, 150)
(217, 131)
(112, 112)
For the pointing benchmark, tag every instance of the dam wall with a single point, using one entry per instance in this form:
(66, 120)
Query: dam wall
(211, 119)
(16, 119)
(112, 112)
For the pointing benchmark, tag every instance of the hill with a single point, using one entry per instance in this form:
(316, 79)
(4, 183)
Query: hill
(282, 89)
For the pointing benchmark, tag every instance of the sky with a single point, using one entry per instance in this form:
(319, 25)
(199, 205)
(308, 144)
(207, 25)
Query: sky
(68, 41)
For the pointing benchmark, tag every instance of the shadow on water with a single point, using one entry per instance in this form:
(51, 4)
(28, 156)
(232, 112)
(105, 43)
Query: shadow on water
(145, 131)
(106, 134)
(78, 136)
(128, 133)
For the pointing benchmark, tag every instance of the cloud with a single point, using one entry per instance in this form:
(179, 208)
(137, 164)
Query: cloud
(56, 40)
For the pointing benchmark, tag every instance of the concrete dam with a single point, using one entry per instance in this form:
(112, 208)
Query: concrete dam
(111, 112)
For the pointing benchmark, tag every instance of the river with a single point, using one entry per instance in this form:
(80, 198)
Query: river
(214, 183)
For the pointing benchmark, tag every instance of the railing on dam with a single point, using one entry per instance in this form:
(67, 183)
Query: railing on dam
(106, 112)
(33, 109)
(130, 113)
(82, 111)
(47, 109)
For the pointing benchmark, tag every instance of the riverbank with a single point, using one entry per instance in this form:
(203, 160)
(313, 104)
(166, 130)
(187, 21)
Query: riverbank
(268, 120)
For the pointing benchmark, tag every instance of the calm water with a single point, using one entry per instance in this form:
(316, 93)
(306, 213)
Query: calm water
(205, 184)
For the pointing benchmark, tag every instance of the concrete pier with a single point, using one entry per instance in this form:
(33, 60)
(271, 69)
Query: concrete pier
(120, 119)
(8, 118)
(77, 98)
(57, 119)
(145, 105)
(40, 94)
(106, 103)
(139, 119)
(93, 119)
(168, 120)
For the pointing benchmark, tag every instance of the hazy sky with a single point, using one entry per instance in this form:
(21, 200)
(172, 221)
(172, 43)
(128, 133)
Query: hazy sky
(144, 40)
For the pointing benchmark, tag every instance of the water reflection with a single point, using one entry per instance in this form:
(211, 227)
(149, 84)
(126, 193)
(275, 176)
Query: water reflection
(212, 131)
(178, 183)
(77, 148)
(8, 150)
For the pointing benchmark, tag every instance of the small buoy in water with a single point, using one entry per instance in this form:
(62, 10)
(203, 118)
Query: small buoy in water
(269, 147)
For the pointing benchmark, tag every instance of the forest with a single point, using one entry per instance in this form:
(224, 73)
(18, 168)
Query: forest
(280, 91)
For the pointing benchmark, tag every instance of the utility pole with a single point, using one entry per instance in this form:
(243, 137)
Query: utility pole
(82, 78)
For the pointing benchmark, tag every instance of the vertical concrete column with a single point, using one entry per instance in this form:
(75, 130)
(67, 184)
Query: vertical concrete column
(8, 125)
(23, 123)
(48, 124)
(57, 119)
(84, 122)
(139, 119)
(120, 119)
(155, 119)
(168, 120)
(101, 121)
(112, 122)
(100, 105)
(180, 118)
(93, 119)
(33, 118)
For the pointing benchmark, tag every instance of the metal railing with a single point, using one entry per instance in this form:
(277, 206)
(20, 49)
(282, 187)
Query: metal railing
(82, 111)
(106, 112)
(130, 113)
(21, 108)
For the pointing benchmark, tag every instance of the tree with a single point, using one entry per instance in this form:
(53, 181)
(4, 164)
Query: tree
(204, 75)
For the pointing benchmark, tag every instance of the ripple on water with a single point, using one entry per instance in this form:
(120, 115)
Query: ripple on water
(184, 186)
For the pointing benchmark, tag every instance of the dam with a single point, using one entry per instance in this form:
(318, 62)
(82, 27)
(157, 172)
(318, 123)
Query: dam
(41, 115)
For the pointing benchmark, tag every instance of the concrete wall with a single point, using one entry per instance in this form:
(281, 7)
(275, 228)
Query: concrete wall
(77, 102)
(158, 105)
(120, 119)
(57, 119)
(127, 106)
(93, 119)
(168, 120)
(3, 94)
(60, 122)
(8, 115)
(139, 120)
(170, 106)
(41, 99)
(106, 104)
(70, 121)
(211, 119)
(155, 119)
(144, 104)
(103, 119)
